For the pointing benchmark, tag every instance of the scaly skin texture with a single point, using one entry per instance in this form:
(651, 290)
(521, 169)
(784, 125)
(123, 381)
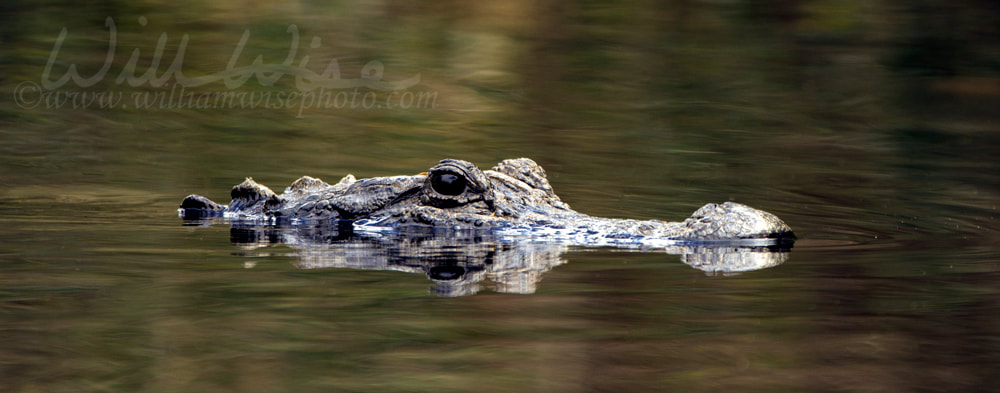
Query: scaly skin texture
(514, 197)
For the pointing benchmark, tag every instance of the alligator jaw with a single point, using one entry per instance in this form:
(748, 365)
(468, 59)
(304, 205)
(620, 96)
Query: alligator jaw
(732, 220)
(713, 224)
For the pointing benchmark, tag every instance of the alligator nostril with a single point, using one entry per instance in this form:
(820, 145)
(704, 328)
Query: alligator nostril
(446, 183)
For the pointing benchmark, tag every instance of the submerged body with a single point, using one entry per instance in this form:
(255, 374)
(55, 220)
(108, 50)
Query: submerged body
(514, 197)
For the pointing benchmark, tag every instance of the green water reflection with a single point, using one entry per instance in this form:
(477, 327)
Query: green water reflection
(869, 127)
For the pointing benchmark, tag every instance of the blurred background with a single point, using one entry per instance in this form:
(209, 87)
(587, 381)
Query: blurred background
(870, 127)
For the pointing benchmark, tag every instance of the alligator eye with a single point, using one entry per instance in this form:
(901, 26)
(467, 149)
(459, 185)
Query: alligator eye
(448, 183)
(446, 273)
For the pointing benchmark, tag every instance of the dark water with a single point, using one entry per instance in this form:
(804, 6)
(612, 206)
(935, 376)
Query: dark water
(870, 128)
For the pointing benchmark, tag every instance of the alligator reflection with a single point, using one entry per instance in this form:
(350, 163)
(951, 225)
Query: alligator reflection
(462, 263)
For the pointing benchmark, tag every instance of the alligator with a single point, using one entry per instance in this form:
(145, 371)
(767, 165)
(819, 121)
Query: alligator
(513, 199)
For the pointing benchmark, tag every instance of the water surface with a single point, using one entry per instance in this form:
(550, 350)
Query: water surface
(870, 128)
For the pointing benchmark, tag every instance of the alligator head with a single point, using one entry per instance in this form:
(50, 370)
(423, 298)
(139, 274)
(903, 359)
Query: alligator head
(513, 198)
